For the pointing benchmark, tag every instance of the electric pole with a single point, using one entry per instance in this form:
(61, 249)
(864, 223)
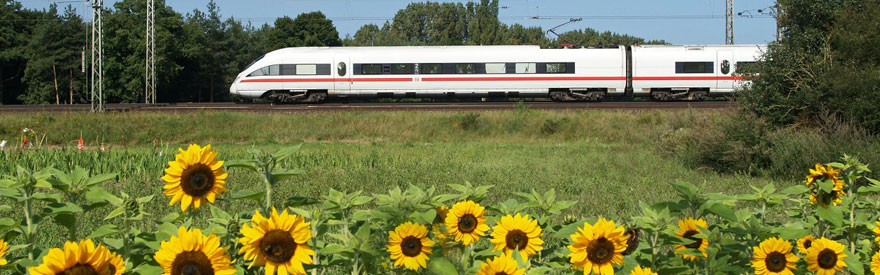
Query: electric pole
(150, 71)
(97, 56)
(728, 15)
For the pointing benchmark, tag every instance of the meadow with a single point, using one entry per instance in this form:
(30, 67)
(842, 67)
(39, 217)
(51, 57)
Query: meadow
(601, 164)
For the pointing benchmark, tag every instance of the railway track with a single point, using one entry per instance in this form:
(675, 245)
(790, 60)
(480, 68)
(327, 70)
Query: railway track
(372, 106)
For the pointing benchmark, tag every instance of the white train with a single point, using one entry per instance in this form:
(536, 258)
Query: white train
(312, 74)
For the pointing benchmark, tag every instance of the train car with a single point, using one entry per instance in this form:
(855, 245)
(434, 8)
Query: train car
(311, 74)
(689, 72)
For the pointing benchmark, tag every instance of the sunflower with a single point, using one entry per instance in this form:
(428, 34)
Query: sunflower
(409, 245)
(191, 252)
(825, 173)
(278, 242)
(595, 248)
(820, 196)
(638, 270)
(877, 233)
(825, 257)
(633, 242)
(76, 258)
(820, 172)
(3, 248)
(773, 257)
(500, 265)
(875, 263)
(116, 264)
(465, 221)
(194, 176)
(517, 233)
(805, 243)
(690, 227)
(442, 211)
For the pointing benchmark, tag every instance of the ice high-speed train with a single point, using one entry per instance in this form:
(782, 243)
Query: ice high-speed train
(312, 74)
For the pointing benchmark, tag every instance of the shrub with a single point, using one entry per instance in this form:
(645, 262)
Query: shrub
(745, 143)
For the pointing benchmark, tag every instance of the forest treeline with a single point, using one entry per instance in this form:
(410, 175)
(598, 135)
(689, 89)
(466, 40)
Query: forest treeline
(44, 54)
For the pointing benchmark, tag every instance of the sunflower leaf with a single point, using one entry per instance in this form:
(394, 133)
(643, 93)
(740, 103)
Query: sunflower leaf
(245, 194)
(826, 185)
(104, 230)
(854, 264)
(832, 213)
(441, 266)
(795, 190)
(286, 152)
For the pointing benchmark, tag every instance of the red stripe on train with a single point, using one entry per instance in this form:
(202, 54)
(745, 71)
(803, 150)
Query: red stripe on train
(586, 78)
(642, 78)
(328, 80)
(461, 79)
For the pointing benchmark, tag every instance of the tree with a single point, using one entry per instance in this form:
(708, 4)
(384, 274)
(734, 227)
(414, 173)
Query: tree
(54, 52)
(825, 63)
(308, 29)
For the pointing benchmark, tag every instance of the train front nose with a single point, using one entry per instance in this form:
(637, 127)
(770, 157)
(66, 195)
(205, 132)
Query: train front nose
(233, 88)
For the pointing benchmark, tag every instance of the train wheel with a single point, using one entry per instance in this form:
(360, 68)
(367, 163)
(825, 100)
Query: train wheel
(560, 96)
(661, 96)
(316, 97)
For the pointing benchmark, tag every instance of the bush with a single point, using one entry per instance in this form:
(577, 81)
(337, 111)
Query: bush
(825, 62)
(745, 143)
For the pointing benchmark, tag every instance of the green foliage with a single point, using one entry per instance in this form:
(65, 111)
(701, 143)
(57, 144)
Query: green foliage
(200, 53)
(308, 29)
(745, 143)
(824, 63)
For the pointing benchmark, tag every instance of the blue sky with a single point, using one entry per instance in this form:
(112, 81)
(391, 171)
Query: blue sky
(676, 21)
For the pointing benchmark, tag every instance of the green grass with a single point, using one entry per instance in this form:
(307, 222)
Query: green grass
(605, 161)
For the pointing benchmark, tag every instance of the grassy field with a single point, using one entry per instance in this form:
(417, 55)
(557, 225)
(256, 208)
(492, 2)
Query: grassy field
(605, 161)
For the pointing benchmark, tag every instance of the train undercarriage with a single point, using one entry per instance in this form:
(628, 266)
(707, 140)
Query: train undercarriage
(558, 95)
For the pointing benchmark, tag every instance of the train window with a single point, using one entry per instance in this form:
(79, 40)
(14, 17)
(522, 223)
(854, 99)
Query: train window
(725, 67)
(745, 67)
(496, 68)
(306, 69)
(430, 68)
(266, 71)
(288, 69)
(402, 68)
(694, 67)
(466, 68)
(525, 68)
(556, 68)
(340, 68)
(371, 69)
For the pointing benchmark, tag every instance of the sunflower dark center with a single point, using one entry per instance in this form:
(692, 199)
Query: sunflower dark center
(79, 269)
(827, 259)
(467, 223)
(600, 251)
(501, 273)
(197, 180)
(278, 246)
(516, 239)
(192, 263)
(112, 269)
(632, 242)
(808, 243)
(697, 241)
(411, 246)
(775, 262)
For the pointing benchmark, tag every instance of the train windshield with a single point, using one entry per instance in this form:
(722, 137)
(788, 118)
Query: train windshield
(252, 62)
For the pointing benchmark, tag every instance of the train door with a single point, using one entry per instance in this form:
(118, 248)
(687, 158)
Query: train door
(725, 72)
(342, 71)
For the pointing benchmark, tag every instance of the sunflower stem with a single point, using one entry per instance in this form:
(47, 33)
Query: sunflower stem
(28, 235)
(852, 221)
